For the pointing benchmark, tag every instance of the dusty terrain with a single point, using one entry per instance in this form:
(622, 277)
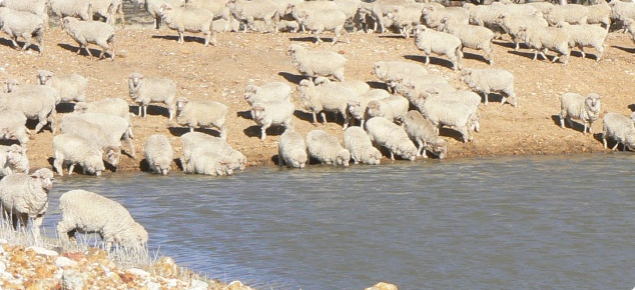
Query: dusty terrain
(220, 73)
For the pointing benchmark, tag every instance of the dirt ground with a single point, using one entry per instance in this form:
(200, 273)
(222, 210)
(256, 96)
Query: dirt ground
(220, 73)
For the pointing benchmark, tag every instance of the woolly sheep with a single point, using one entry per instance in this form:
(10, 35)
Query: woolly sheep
(115, 127)
(512, 23)
(432, 16)
(203, 160)
(451, 113)
(72, 8)
(37, 7)
(321, 99)
(383, 132)
(323, 20)
(88, 212)
(24, 197)
(517, 9)
(392, 108)
(406, 17)
(576, 106)
(203, 114)
(292, 150)
(194, 140)
(217, 7)
(541, 39)
(153, 7)
(85, 32)
(248, 11)
(272, 113)
(471, 99)
(159, 154)
(378, 10)
(619, 128)
(357, 142)
(600, 13)
(326, 148)
(189, 19)
(414, 86)
(630, 27)
(570, 13)
(586, 35)
(486, 15)
(542, 7)
(389, 71)
(13, 159)
(112, 106)
(144, 91)
(13, 85)
(73, 125)
(275, 91)
(441, 43)
(13, 126)
(357, 87)
(486, 81)
(621, 10)
(109, 9)
(22, 24)
(313, 63)
(425, 135)
(357, 107)
(471, 36)
(74, 150)
(70, 87)
(34, 104)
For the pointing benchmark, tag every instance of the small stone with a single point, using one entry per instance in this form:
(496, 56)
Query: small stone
(64, 262)
(43, 251)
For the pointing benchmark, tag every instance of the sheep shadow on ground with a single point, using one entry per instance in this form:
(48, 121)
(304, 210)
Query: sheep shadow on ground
(393, 37)
(178, 163)
(144, 166)
(244, 115)
(526, 54)
(8, 43)
(377, 85)
(556, 119)
(625, 49)
(275, 160)
(304, 116)
(296, 79)
(451, 133)
(575, 125)
(32, 123)
(433, 60)
(180, 131)
(631, 107)
(508, 44)
(254, 131)
(493, 99)
(152, 110)
(95, 52)
(7, 142)
(175, 38)
(310, 39)
(474, 56)
(386, 153)
(65, 107)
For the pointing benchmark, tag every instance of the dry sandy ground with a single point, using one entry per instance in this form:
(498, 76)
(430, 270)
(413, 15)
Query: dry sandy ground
(220, 73)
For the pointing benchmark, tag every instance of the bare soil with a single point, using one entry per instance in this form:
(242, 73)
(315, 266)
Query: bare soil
(220, 73)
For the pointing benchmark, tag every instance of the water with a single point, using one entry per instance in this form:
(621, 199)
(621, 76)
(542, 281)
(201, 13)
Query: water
(563, 222)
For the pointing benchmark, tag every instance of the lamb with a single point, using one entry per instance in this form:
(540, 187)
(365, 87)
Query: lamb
(361, 148)
(389, 71)
(159, 154)
(600, 13)
(570, 13)
(22, 24)
(585, 35)
(108, 9)
(205, 161)
(190, 19)
(74, 150)
(13, 159)
(292, 150)
(73, 8)
(441, 43)
(383, 132)
(471, 36)
(619, 128)
(586, 109)
(266, 114)
(425, 135)
(406, 17)
(24, 197)
(144, 91)
(327, 149)
(275, 91)
(34, 104)
(203, 114)
(541, 39)
(85, 32)
(217, 145)
(357, 87)
(71, 87)
(88, 212)
(313, 63)
(511, 25)
(324, 98)
(392, 108)
(486, 81)
(72, 124)
(37, 7)
(249, 11)
(323, 20)
(153, 7)
(432, 16)
(13, 126)
(357, 107)
(620, 10)
(451, 113)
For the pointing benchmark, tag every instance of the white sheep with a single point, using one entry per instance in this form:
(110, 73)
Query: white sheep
(392, 108)
(249, 11)
(486, 15)
(441, 43)
(109, 9)
(570, 13)
(13, 85)
(72, 124)
(541, 39)
(13, 159)
(274, 91)
(619, 128)
(292, 150)
(189, 19)
(406, 17)
(115, 127)
(13, 126)
(357, 107)
(218, 9)
(206, 161)
(454, 114)
(600, 13)
(194, 140)
(159, 154)
(389, 71)
(355, 86)
(621, 10)
(22, 24)
(85, 32)
(378, 10)
(73, 8)
(323, 20)
(112, 106)
(88, 212)
(321, 99)
(74, 150)
(586, 35)
(471, 36)
(144, 91)
(512, 23)
(486, 81)
(414, 86)
(72, 88)
(202, 114)
(468, 98)
(432, 15)
(385, 133)
(34, 104)
(576, 106)
(313, 63)
(24, 197)
(272, 113)
(629, 25)
(357, 142)
(37, 7)
(327, 149)
(425, 135)
(153, 7)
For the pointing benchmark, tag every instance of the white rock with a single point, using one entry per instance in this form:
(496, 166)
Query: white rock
(43, 251)
(138, 272)
(64, 262)
(153, 286)
(199, 285)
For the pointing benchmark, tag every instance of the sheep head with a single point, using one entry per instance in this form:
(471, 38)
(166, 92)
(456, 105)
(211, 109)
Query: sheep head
(43, 76)
(11, 85)
(45, 177)
(181, 102)
(592, 103)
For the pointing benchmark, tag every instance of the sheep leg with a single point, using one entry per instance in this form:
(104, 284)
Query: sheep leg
(316, 33)
(427, 59)
(582, 51)
(485, 97)
(70, 169)
(27, 41)
(600, 49)
(180, 41)
(604, 140)
(66, 231)
(40, 125)
(263, 131)
(130, 145)
(88, 51)
(615, 147)
(57, 163)
(346, 120)
(420, 149)
(569, 122)
(535, 55)
(145, 111)
(314, 119)
(35, 225)
(14, 40)
(323, 118)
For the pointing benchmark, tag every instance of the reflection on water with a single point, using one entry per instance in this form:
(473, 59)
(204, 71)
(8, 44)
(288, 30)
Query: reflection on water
(497, 223)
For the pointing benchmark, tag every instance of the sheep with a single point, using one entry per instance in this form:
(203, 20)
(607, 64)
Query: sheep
(22, 24)
(217, 7)
(71, 87)
(13, 85)
(406, 17)
(357, 87)
(378, 11)
(486, 15)
(357, 107)
(471, 99)
(327, 149)
(13, 159)
(144, 91)
(471, 36)
(205, 161)
(412, 87)
(586, 35)
(24, 197)
(486, 81)
(37, 7)
(115, 127)
(153, 7)
(73, 8)
(74, 150)
(248, 11)
(541, 7)
(451, 113)
(392, 108)
(323, 20)
(72, 124)
(275, 91)
(159, 154)
(630, 27)
(189, 19)
(357, 142)
(383, 132)
(108, 9)
(512, 23)
(295, 7)
(425, 135)
(88, 212)
(193, 140)
(432, 16)
(388, 71)
(203, 114)
(619, 128)
(292, 150)
(441, 43)
(600, 13)
(313, 63)
(271, 113)
(541, 39)
(324, 98)
(570, 13)
(620, 10)
(112, 106)
(34, 104)
(576, 106)
(13, 126)
(85, 32)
